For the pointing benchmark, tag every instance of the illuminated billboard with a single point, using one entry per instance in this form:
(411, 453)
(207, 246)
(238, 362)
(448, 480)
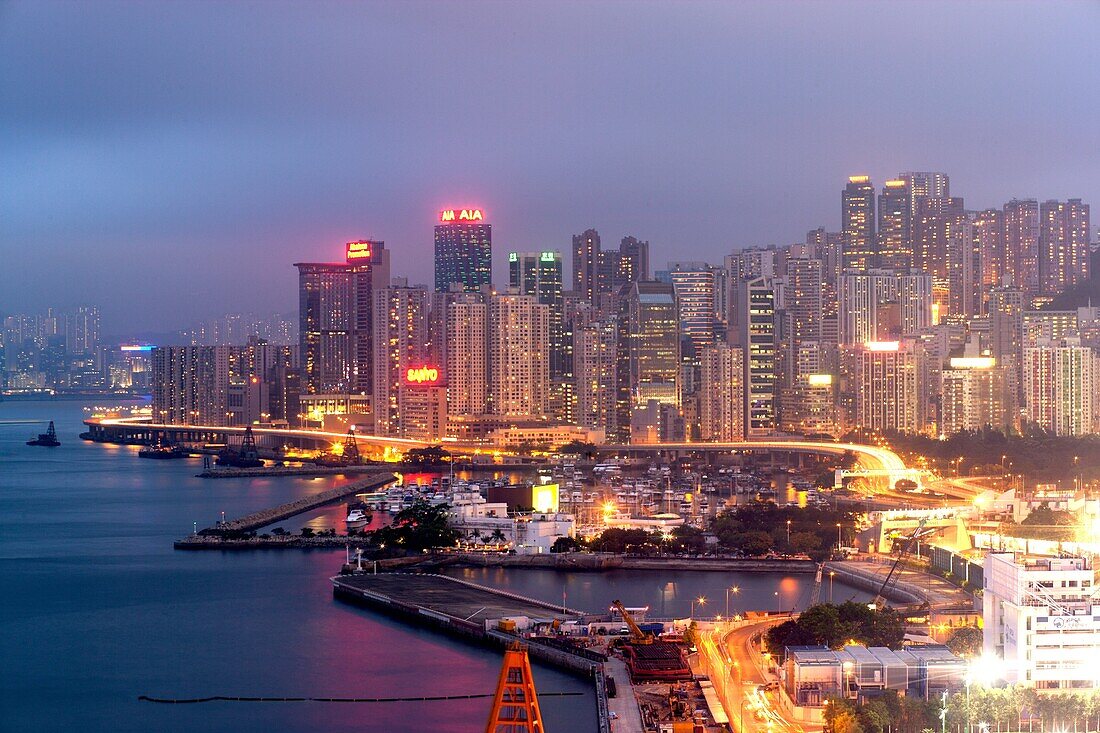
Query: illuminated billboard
(819, 380)
(135, 347)
(424, 376)
(544, 498)
(458, 216)
(361, 250)
(882, 345)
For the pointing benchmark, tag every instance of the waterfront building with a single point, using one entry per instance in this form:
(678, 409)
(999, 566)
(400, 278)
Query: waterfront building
(1063, 245)
(191, 385)
(482, 522)
(973, 395)
(467, 362)
(519, 358)
(895, 216)
(463, 250)
(1021, 221)
(335, 311)
(400, 336)
(722, 393)
(1060, 387)
(858, 224)
(888, 394)
(1042, 617)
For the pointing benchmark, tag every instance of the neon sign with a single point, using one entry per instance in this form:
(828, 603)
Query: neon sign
(454, 216)
(423, 376)
(359, 250)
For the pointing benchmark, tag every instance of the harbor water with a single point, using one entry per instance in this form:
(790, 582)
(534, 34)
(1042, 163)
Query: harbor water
(99, 609)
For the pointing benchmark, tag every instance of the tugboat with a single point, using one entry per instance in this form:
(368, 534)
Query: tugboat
(162, 451)
(47, 439)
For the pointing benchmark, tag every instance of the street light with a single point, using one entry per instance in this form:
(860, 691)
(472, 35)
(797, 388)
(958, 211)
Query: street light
(778, 603)
(831, 574)
(788, 532)
(701, 601)
(838, 541)
(735, 589)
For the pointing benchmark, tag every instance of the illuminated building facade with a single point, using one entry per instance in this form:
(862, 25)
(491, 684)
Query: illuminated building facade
(1060, 382)
(973, 395)
(649, 350)
(989, 239)
(539, 274)
(423, 403)
(191, 384)
(463, 251)
(802, 298)
(400, 333)
(1021, 219)
(335, 311)
(1063, 244)
(925, 184)
(586, 263)
(752, 327)
(862, 296)
(895, 217)
(809, 406)
(888, 395)
(519, 346)
(721, 393)
(858, 224)
(595, 370)
(467, 367)
(693, 283)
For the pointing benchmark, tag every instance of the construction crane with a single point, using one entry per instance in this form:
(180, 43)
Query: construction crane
(880, 599)
(515, 704)
(636, 633)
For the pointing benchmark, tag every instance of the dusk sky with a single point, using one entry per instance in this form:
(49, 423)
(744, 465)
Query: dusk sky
(170, 161)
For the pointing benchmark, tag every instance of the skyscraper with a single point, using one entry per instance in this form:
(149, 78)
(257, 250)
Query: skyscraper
(467, 334)
(1060, 387)
(1021, 219)
(1063, 244)
(649, 350)
(722, 393)
(862, 297)
(539, 274)
(335, 312)
(693, 283)
(858, 224)
(595, 369)
(895, 216)
(400, 335)
(752, 327)
(519, 358)
(888, 395)
(925, 184)
(586, 262)
(463, 250)
(989, 238)
(973, 395)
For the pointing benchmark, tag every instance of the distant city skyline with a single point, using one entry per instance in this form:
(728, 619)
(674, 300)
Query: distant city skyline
(168, 189)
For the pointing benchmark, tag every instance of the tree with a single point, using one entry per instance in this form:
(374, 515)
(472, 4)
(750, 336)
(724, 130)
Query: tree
(753, 543)
(433, 455)
(805, 542)
(565, 544)
(416, 528)
(966, 641)
(579, 448)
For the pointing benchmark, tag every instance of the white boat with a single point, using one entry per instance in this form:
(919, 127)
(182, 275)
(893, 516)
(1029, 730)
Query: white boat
(357, 519)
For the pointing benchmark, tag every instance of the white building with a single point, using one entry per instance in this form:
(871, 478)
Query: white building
(485, 522)
(1042, 616)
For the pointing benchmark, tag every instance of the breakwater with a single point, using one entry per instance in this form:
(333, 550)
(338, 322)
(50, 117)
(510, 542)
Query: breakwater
(598, 562)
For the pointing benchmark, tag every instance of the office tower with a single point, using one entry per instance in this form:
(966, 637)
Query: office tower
(722, 393)
(925, 185)
(400, 336)
(539, 274)
(802, 298)
(463, 251)
(1041, 621)
(1060, 387)
(191, 385)
(1063, 244)
(887, 381)
(82, 330)
(864, 303)
(1021, 219)
(335, 308)
(633, 261)
(857, 215)
(989, 238)
(895, 216)
(752, 327)
(973, 395)
(586, 262)
(595, 370)
(649, 350)
(693, 283)
(721, 299)
(467, 370)
(519, 355)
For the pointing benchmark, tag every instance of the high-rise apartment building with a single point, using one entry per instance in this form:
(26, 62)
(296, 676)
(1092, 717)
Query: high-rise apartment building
(802, 298)
(722, 393)
(924, 184)
(335, 312)
(858, 224)
(190, 385)
(519, 355)
(973, 395)
(867, 301)
(1063, 244)
(895, 216)
(752, 327)
(989, 239)
(1021, 220)
(595, 369)
(809, 405)
(649, 350)
(539, 274)
(586, 263)
(467, 360)
(463, 251)
(888, 393)
(1060, 383)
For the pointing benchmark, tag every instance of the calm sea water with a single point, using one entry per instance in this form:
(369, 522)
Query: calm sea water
(97, 608)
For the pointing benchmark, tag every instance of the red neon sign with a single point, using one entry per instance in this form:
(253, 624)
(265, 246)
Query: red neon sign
(359, 250)
(423, 376)
(455, 216)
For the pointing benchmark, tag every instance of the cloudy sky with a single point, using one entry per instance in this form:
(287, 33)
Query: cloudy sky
(170, 161)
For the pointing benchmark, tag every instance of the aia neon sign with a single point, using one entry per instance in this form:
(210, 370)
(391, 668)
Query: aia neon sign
(359, 251)
(455, 216)
(423, 376)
